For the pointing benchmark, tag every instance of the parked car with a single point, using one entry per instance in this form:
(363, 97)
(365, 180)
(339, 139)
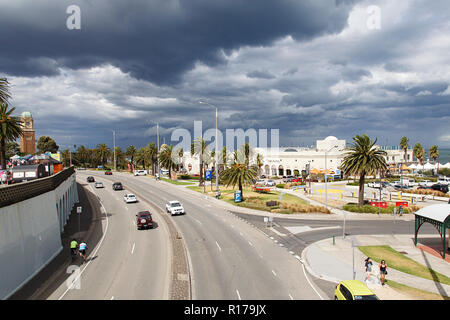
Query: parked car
(108, 173)
(444, 180)
(298, 179)
(353, 290)
(424, 188)
(440, 187)
(262, 176)
(129, 198)
(174, 207)
(164, 172)
(117, 186)
(425, 183)
(271, 183)
(140, 172)
(378, 184)
(99, 185)
(144, 220)
(260, 182)
(81, 168)
(90, 179)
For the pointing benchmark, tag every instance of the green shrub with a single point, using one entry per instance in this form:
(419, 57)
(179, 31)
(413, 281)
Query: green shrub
(353, 207)
(280, 185)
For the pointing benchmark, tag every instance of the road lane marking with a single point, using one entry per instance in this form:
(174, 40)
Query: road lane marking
(220, 249)
(250, 243)
(291, 297)
(304, 271)
(197, 221)
(132, 250)
(274, 273)
(112, 298)
(239, 296)
(241, 234)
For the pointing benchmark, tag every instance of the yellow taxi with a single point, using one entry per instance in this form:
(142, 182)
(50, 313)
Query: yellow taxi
(353, 290)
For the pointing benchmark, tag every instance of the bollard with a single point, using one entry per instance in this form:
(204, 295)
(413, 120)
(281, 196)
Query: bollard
(333, 241)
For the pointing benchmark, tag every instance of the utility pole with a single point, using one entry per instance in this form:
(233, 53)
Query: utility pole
(114, 138)
(217, 153)
(157, 151)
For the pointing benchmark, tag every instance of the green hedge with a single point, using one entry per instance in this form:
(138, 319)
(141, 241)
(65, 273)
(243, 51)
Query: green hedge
(280, 185)
(353, 207)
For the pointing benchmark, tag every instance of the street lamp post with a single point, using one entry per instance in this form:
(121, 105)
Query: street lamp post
(217, 146)
(326, 189)
(114, 138)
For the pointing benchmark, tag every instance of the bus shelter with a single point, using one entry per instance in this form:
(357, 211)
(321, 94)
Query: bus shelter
(439, 216)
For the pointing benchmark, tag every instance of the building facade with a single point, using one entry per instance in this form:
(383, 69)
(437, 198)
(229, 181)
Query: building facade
(28, 138)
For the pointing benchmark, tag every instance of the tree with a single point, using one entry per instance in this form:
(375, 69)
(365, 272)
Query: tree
(259, 162)
(153, 153)
(12, 148)
(47, 144)
(65, 157)
(4, 91)
(419, 153)
(434, 153)
(200, 149)
(239, 174)
(82, 155)
(120, 158)
(363, 158)
(131, 152)
(102, 153)
(10, 130)
(167, 158)
(404, 145)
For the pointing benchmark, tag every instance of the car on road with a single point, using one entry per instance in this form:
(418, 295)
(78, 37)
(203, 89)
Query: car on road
(144, 220)
(99, 185)
(425, 183)
(260, 182)
(440, 187)
(140, 172)
(174, 207)
(270, 183)
(444, 180)
(90, 179)
(378, 185)
(108, 173)
(298, 179)
(353, 290)
(117, 186)
(129, 198)
(164, 172)
(81, 168)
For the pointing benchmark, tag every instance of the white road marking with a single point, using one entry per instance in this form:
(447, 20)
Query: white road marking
(291, 297)
(132, 249)
(112, 298)
(274, 273)
(304, 271)
(250, 243)
(239, 296)
(197, 221)
(220, 249)
(241, 234)
(126, 208)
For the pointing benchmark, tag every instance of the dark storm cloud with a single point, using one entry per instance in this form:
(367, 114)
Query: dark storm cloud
(155, 40)
(261, 74)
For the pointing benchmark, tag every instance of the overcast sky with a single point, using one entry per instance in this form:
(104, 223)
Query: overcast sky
(309, 68)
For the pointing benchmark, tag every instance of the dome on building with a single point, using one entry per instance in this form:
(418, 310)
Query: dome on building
(331, 138)
(26, 114)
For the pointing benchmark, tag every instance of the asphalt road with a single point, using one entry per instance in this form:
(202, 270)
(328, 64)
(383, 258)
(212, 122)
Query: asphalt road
(126, 263)
(229, 259)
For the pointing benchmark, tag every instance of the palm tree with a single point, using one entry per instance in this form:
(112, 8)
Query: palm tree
(131, 152)
(10, 128)
(363, 158)
(102, 153)
(404, 145)
(167, 159)
(82, 155)
(419, 153)
(434, 153)
(4, 91)
(200, 149)
(259, 162)
(153, 153)
(239, 174)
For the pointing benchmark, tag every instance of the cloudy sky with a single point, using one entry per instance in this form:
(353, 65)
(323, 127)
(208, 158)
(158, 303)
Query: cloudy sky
(309, 68)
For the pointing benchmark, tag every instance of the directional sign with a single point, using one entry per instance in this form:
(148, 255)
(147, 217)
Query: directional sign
(78, 209)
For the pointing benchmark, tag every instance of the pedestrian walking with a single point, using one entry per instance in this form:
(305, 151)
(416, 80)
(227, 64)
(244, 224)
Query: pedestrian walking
(383, 271)
(401, 210)
(368, 265)
(4, 178)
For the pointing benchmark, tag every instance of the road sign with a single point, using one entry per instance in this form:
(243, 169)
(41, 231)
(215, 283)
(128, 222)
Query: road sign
(78, 209)
(208, 175)
(237, 196)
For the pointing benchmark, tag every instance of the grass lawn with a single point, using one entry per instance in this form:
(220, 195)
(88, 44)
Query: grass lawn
(416, 293)
(400, 262)
(255, 200)
(180, 183)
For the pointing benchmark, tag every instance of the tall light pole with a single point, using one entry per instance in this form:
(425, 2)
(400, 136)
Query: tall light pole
(326, 189)
(217, 145)
(114, 142)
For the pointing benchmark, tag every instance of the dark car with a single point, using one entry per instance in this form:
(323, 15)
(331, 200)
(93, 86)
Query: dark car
(440, 187)
(144, 220)
(108, 173)
(90, 179)
(117, 186)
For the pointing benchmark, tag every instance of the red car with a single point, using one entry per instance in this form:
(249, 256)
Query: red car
(108, 173)
(298, 180)
(144, 220)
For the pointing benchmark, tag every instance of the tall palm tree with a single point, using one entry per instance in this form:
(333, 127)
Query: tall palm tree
(153, 153)
(200, 149)
(434, 153)
(103, 153)
(82, 155)
(419, 153)
(167, 158)
(259, 162)
(239, 174)
(404, 145)
(4, 91)
(131, 152)
(363, 158)
(10, 130)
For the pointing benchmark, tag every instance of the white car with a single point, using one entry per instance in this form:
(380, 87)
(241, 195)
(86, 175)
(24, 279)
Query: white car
(99, 185)
(174, 207)
(164, 172)
(260, 182)
(426, 183)
(374, 185)
(444, 180)
(140, 172)
(271, 183)
(129, 198)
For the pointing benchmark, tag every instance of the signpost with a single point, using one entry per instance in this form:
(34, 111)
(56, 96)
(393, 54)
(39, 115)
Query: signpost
(208, 175)
(237, 196)
(79, 214)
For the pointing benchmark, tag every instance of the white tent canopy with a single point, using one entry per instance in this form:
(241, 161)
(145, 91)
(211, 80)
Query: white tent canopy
(447, 165)
(413, 166)
(428, 166)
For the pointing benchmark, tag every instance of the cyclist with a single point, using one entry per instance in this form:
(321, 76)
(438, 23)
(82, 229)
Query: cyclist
(82, 250)
(73, 247)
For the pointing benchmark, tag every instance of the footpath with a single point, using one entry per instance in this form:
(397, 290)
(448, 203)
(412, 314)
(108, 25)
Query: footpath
(337, 259)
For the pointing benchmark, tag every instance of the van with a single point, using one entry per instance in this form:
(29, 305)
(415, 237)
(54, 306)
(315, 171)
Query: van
(140, 172)
(444, 180)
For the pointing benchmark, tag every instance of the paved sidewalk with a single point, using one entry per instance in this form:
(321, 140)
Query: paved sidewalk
(334, 262)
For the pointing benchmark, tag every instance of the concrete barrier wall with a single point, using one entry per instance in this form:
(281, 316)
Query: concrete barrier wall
(30, 234)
